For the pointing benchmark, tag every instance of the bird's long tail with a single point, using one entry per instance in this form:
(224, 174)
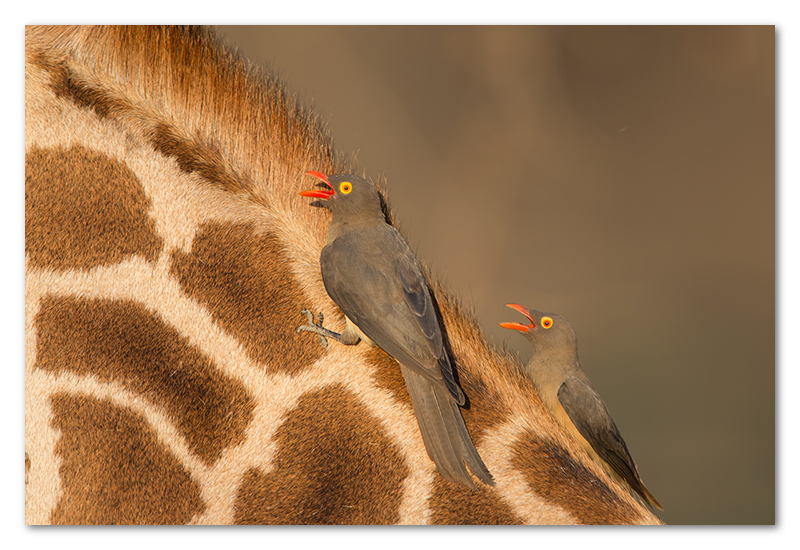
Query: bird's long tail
(648, 497)
(446, 438)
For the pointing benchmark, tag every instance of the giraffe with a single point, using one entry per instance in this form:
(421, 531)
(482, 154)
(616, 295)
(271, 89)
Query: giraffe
(167, 259)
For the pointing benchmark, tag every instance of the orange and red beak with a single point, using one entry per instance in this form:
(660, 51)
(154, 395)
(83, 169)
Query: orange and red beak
(319, 193)
(520, 326)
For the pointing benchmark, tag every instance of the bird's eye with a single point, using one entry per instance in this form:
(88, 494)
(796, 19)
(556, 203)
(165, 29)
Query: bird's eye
(547, 322)
(345, 187)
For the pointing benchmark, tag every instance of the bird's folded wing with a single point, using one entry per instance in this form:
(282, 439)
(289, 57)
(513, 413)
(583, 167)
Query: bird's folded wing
(382, 291)
(586, 409)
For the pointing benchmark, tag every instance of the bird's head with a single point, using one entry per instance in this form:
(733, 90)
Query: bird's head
(347, 196)
(545, 331)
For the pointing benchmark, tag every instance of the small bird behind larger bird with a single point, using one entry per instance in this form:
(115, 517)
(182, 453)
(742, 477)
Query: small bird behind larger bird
(571, 398)
(371, 274)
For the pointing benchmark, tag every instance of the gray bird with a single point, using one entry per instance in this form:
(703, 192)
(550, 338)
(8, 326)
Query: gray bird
(371, 274)
(570, 397)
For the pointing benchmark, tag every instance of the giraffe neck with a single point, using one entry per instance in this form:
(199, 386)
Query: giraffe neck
(167, 259)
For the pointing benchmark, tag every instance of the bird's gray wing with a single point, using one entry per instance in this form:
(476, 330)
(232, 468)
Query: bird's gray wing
(418, 298)
(586, 409)
(376, 281)
(419, 302)
(591, 417)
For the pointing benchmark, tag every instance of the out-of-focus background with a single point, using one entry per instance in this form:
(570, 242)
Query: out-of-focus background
(623, 177)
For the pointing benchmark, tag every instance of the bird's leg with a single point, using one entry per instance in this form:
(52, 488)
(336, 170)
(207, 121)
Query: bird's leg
(346, 337)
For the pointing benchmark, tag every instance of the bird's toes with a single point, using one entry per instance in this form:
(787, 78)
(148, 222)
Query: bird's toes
(309, 315)
(323, 341)
(313, 327)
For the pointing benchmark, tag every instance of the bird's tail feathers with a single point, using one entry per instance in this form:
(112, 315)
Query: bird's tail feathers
(648, 497)
(446, 438)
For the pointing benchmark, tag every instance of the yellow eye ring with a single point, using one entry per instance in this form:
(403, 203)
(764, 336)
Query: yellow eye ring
(345, 187)
(547, 322)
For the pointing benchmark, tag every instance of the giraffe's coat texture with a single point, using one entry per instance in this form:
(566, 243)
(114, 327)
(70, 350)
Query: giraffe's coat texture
(328, 470)
(123, 343)
(168, 257)
(111, 453)
(244, 280)
(84, 209)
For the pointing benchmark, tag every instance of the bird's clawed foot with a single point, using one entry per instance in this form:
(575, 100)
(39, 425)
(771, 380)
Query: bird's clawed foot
(316, 328)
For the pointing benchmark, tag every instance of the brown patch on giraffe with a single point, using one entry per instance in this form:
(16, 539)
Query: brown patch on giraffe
(554, 475)
(27, 467)
(69, 86)
(334, 465)
(84, 209)
(456, 505)
(387, 374)
(244, 280)
(192, 155)
(122, 342)
(114, 470)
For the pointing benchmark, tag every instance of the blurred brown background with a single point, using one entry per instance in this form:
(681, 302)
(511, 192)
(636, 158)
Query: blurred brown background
(623, 177)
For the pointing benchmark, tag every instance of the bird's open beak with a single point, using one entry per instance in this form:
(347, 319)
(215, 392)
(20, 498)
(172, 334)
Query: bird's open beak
(519, 326)
(319, 193)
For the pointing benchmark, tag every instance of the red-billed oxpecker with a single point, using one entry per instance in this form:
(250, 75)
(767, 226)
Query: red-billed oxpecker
(371, 274)
(570, 397)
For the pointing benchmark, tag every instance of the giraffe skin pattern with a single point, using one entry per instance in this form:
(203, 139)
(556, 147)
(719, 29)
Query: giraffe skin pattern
(167, 259)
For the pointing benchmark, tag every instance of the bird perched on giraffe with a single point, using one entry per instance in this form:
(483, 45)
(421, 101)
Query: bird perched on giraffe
(572, 399)
(370, 272)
